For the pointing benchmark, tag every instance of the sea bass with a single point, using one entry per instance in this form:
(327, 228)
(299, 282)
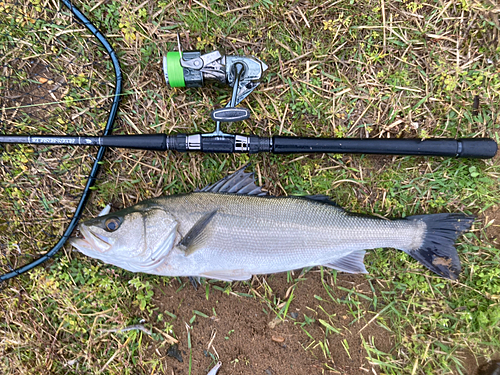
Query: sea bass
(232, 230)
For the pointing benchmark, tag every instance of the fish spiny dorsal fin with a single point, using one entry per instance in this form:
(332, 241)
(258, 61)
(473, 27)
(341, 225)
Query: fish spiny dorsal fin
(240, 182)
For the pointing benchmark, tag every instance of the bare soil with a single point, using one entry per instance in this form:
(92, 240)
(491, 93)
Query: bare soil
(493, 231)
(480, 366)
(38, 90)
(247, 339)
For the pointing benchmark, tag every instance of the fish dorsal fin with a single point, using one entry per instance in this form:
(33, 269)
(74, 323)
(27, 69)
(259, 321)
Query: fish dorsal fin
(197, 234)
(351, 263)
(240, 182)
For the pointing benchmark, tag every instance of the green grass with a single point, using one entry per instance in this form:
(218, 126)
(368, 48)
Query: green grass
(346, 72)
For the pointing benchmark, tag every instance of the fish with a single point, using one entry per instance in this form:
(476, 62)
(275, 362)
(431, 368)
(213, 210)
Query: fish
(233, 229)
(215, 369)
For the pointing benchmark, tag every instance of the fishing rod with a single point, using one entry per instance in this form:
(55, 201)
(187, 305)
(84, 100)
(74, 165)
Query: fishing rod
(482, 148)
(243, 74)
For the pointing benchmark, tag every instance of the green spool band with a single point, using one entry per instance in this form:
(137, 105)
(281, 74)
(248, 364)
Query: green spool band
(174, 70)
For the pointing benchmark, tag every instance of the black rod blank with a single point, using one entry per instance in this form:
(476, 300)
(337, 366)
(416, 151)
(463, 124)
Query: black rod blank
(482, 148)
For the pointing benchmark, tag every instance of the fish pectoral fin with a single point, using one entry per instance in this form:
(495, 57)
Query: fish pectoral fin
(227, 275)
(351, 263)
(197, 234)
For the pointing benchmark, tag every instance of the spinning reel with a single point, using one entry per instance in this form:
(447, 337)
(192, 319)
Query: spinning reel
(192, 69)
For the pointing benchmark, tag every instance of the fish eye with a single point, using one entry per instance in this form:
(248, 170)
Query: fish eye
(112, 224)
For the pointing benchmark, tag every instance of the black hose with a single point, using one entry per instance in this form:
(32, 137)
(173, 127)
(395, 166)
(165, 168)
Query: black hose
(100, 153)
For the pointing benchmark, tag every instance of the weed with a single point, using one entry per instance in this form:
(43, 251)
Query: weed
(143, 292)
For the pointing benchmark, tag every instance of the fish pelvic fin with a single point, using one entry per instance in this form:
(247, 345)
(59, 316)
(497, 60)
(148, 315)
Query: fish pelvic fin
(351, 263)
(437, 251)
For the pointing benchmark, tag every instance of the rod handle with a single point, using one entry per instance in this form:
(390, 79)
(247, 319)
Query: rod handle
(482, 148)
(154, 142)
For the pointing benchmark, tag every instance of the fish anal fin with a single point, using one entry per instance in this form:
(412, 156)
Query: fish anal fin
(227, 275)
(351, 263)
(197, 234)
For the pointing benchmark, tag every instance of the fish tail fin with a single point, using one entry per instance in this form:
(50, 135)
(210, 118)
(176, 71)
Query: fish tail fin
(437, 251)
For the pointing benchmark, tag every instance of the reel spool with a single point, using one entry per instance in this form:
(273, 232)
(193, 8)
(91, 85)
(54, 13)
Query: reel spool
(178, 76)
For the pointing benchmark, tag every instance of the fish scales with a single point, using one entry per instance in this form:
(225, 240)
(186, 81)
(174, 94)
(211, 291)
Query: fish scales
(274, 234)
(229, 231)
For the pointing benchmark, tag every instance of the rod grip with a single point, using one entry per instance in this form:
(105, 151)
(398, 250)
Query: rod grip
(155, 142)
(483, 148)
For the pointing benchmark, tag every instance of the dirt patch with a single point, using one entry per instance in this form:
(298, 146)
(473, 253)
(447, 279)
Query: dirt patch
(469, 362)
(479, 366)
(489, 368)
(493, 231)
(239, 330)
(39, 86)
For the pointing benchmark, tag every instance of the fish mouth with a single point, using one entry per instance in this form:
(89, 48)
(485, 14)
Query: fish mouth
(90, 241)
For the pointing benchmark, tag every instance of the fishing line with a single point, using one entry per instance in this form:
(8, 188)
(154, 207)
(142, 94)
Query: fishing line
(30, 119)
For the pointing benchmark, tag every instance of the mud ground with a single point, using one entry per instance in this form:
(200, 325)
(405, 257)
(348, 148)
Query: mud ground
(243, 333)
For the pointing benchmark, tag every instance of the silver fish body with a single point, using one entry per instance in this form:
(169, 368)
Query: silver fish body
(219, 234)
(255, 235)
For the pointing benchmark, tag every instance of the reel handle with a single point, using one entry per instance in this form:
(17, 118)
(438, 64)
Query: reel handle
(230, 114)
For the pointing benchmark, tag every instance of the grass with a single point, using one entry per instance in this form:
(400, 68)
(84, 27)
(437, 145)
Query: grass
(337, 68)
